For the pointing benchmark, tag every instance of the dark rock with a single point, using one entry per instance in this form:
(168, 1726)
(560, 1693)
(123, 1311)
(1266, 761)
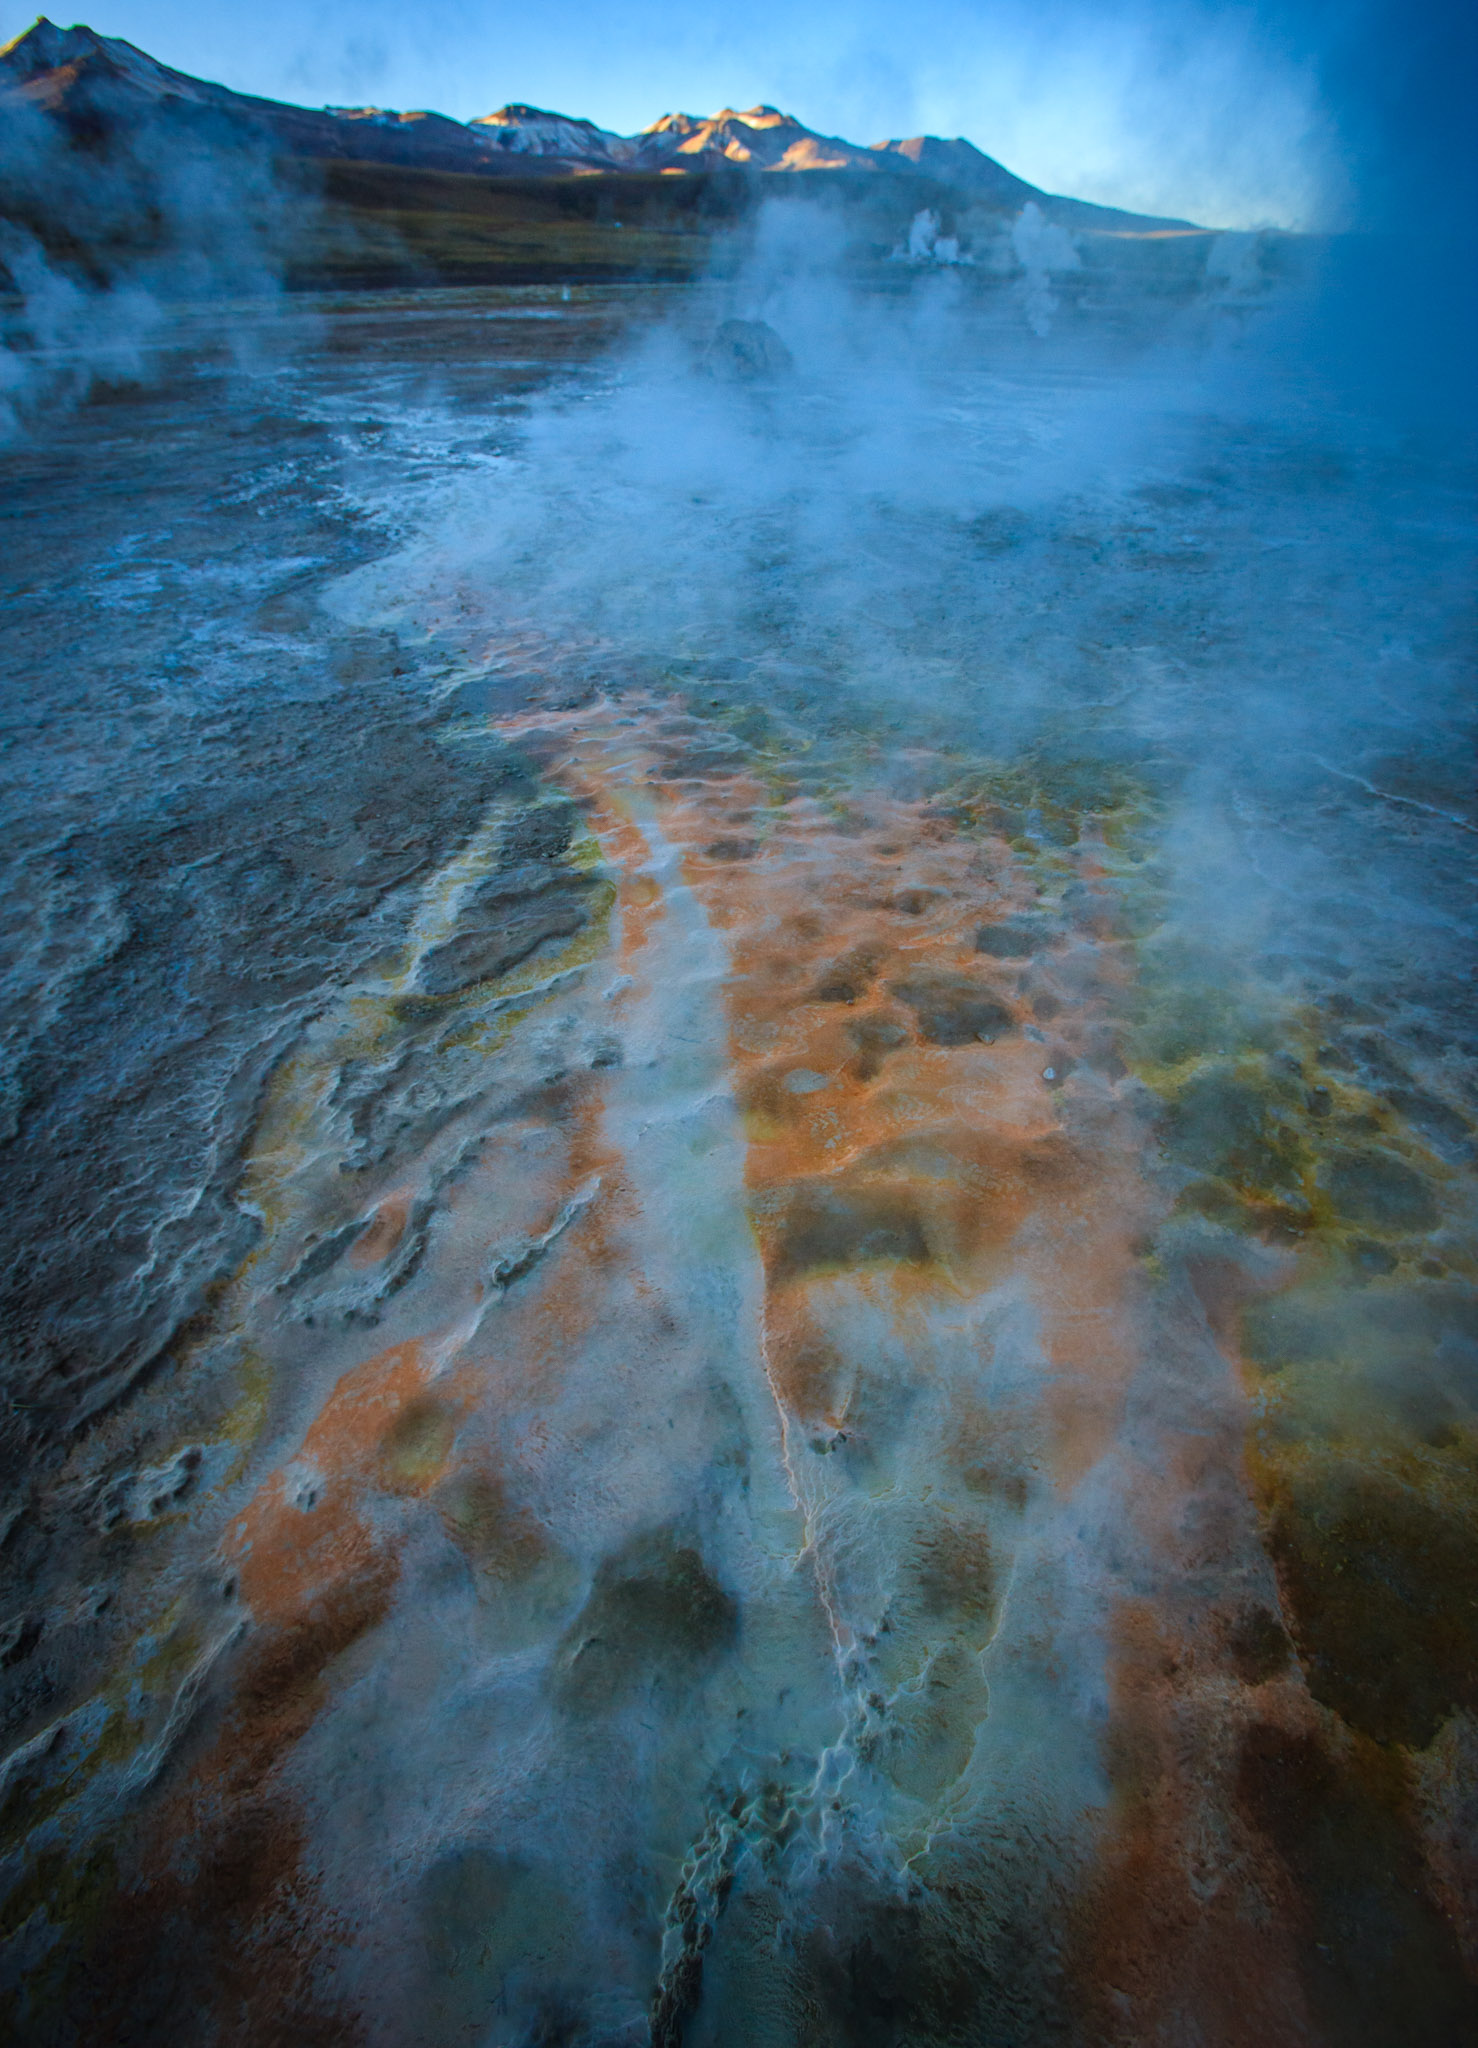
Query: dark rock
(542, 832)
(747, 352)
(823, 1225)
(1012, 939)
(952, 1009)
(492, 948)
(655, 1612)
(1377, 1189)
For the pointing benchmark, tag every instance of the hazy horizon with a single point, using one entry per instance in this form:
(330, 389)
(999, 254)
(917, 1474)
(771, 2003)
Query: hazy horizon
(1293, 116)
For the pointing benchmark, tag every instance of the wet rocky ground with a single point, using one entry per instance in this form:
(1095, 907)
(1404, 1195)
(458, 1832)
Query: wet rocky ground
(739, 1279)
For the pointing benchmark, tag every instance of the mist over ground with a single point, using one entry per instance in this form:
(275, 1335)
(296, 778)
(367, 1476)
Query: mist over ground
(740, 1098)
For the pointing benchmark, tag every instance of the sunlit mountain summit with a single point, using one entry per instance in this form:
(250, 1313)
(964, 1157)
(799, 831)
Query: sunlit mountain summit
(96, 85)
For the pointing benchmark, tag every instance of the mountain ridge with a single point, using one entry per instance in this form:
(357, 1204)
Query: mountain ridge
(94, 85)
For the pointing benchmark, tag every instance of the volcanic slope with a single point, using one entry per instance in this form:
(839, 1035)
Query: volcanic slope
(96, 86)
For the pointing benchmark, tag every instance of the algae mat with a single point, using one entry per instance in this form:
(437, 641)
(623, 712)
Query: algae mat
(794, 1475)
(788, 1350)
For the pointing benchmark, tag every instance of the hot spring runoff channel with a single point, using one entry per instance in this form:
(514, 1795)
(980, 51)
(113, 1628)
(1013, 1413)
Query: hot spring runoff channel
(739, 1122)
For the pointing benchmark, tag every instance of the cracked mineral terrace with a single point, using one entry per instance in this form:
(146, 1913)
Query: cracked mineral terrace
(739, 1182)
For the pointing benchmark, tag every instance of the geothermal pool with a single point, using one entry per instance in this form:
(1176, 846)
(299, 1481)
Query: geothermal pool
(739, 1180)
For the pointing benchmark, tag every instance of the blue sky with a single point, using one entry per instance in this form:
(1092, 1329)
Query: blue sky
(1234, 113)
